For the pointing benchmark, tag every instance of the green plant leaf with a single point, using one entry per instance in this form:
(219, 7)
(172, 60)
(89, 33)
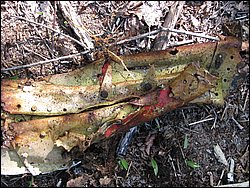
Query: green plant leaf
(123, 164)
(192, 164)
(14, 78)
(31, 181)
(41, 13)
(185, 142)
(155, 166)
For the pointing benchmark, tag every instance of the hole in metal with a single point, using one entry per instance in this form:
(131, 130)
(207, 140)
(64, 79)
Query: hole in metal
(174, 51)
(104, 94)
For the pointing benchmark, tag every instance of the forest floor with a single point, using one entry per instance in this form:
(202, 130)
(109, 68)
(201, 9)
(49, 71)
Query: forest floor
(201, 127)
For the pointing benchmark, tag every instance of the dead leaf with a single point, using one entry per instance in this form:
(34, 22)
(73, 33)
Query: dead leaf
(244, 159)
(195, 21)
(105, 180)
(82, 181)
(149, 143)
(245, 46)
(220, 155)
(151, 12)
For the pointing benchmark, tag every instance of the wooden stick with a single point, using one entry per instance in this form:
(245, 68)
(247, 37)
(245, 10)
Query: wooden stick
(162, 39)
(73, 19)
(201, 121)
(164, 29)
(44, 62)
(191, 33)
(237, 123)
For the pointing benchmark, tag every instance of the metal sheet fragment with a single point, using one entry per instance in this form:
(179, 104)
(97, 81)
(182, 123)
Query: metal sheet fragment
(45, 119)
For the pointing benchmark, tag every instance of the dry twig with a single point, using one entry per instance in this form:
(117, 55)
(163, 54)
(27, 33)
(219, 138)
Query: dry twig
(237, 123)
(201, 121)
(162, 39)
(221, 176)
(211, 178)
(29, 50)
(172, 163)
(78, 42)
(165, 29)
(44, 62)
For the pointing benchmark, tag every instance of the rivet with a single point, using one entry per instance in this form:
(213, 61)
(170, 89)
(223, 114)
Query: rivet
(49, 109)
(43, 134)
(66, 133)
(89, 129)
(218, 60)
(33, 108)
(146, 86)
(25, 155)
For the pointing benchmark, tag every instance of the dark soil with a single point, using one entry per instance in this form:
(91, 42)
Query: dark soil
(162, 139)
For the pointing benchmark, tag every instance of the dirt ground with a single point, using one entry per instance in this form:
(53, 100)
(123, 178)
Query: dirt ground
(199, 127)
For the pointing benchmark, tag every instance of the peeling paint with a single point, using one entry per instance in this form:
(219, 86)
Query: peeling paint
(43, 119)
